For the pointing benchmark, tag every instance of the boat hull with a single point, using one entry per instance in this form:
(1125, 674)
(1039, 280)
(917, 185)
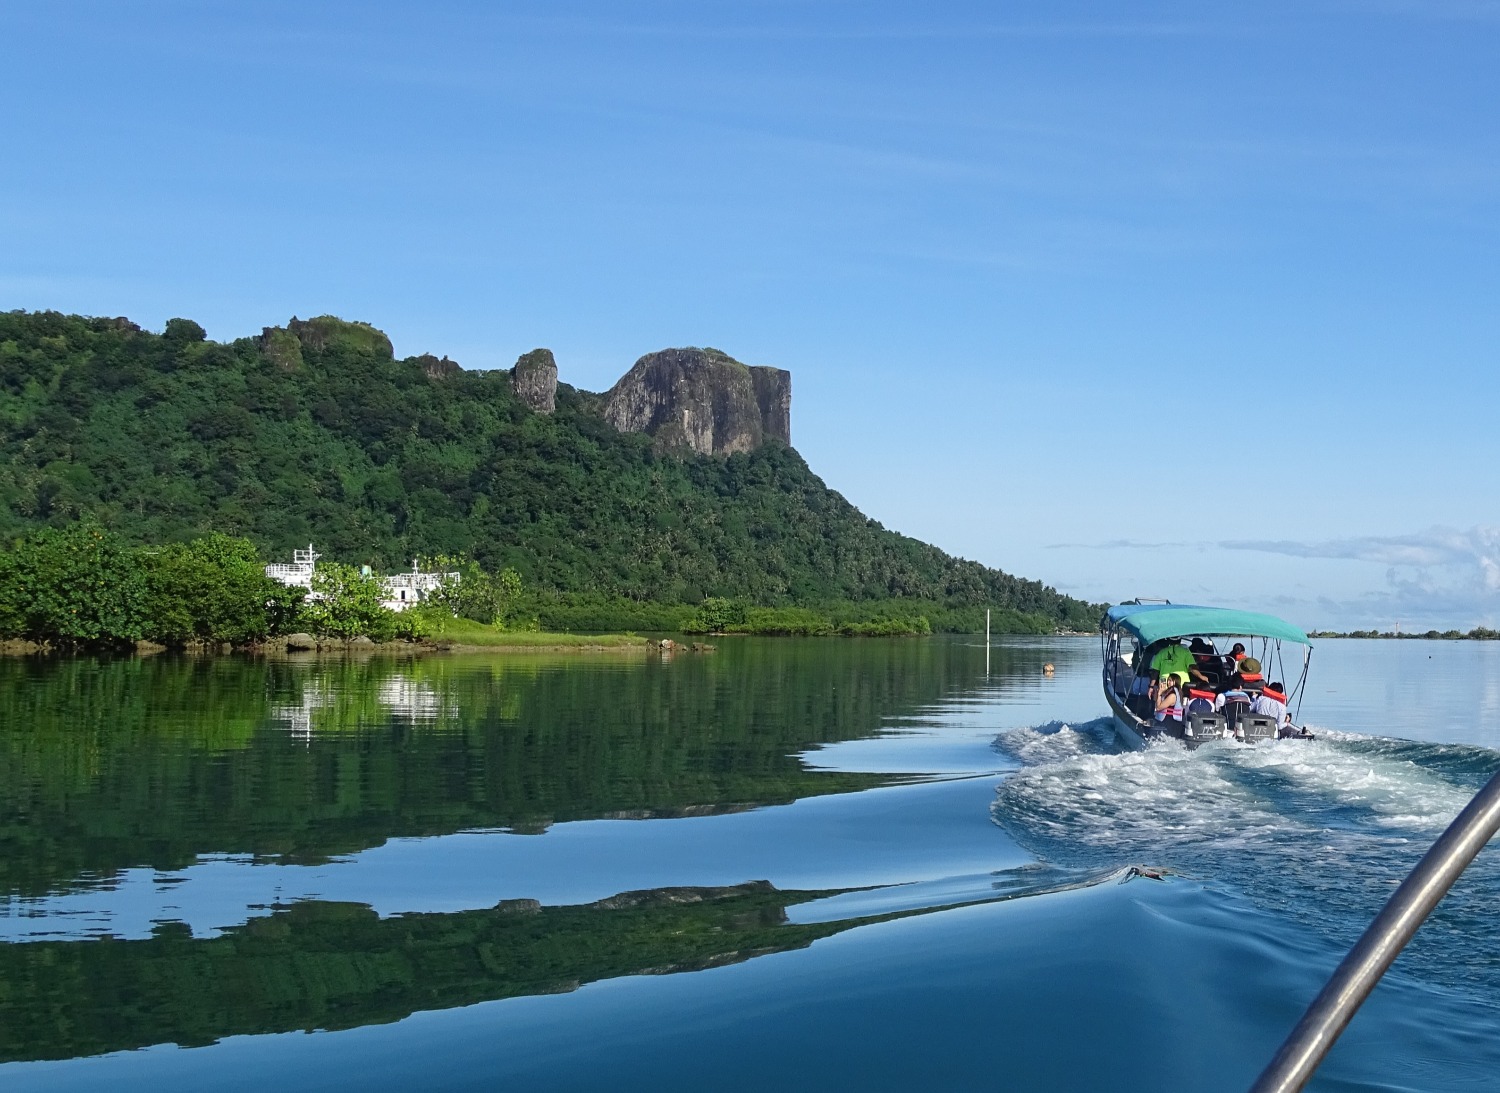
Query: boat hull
(1130, 729)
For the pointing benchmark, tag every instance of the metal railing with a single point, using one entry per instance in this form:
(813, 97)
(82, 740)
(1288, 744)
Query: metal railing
(1406, 910)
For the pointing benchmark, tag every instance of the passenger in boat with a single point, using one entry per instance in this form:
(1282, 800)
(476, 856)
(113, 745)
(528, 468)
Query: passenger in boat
(1174, 658)
(1232, 659)
(1208, 668)
(1271, 702)
(1235, 696)
(1169, 696)
(1247, 677)
(1235, 704)
(1201, 700)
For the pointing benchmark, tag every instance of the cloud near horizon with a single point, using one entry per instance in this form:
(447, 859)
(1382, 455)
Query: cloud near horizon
(1476, 550)
(1438, 578)
(1434, 577)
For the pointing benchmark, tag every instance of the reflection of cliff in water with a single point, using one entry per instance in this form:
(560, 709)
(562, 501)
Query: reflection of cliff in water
(151, 762)
(337, 965)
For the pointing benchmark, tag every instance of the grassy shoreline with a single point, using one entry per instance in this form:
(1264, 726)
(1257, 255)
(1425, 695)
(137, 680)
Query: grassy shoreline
(499, 641)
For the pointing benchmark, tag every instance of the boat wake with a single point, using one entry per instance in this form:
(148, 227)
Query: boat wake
(1316, 832)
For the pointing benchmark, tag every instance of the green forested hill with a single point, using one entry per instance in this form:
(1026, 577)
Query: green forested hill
(316, 433)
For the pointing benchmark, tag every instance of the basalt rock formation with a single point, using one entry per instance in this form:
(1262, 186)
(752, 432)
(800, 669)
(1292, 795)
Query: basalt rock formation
(702, 400)
(535, 380)
(284, 346)
(439, 368)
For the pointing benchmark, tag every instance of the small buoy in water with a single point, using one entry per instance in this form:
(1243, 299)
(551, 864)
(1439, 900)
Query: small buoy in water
(1048, 670)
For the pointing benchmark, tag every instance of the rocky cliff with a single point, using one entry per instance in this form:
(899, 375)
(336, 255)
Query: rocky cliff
(702, 400)
(535, 380)
(284, 345)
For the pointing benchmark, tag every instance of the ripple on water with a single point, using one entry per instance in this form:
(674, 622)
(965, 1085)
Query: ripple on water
(1316, 832)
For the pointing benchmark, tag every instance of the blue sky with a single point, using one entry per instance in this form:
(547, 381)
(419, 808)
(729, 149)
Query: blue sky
(1183, 300)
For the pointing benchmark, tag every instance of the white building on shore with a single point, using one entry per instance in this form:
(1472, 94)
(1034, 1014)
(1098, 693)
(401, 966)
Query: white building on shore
(397, 592)
(300, 573)
(405, 589)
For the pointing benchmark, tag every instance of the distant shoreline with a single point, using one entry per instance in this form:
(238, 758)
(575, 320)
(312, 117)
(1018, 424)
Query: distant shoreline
(300, 646)
(1479, 633)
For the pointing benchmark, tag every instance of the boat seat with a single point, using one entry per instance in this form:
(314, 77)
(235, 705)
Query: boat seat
(1234, 713)
(1204, 726)
(1258, 727)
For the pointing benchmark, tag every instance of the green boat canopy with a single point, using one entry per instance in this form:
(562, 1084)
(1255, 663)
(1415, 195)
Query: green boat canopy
(1152, 622)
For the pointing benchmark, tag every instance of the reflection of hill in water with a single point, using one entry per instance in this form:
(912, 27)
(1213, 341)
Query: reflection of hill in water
(337, 965)
(110, 764)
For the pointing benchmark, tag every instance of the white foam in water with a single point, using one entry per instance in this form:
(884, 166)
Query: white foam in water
(1230, 795)
(1133, 798)
(1048, 743)
(1395, 793)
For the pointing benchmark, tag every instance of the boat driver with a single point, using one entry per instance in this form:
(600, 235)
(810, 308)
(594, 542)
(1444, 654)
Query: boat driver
(1208, 666)
(1176, 657)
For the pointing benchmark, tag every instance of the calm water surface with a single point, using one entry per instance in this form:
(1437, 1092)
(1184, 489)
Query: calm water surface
(891, 864)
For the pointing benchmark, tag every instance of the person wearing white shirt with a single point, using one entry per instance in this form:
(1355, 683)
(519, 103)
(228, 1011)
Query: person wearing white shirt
(1271, 702)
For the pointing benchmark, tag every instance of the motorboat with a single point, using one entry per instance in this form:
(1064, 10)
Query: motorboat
(1134, 634)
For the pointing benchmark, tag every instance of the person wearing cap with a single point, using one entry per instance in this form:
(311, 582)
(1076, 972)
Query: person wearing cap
(1247, 676)
(1271, 702)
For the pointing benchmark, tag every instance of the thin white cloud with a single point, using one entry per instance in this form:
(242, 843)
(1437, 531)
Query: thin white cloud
(1121, 544)
(1441, 578)
(1438, 578)
(1476, 550)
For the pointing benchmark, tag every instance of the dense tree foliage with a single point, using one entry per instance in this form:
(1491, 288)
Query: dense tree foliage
(315, 433)
(471, 593)
(84, 586)
(214, 589)
(79, 585)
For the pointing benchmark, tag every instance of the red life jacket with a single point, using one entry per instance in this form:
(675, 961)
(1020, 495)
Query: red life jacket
(1194, 692)
(1277, 695)
(1251, 677)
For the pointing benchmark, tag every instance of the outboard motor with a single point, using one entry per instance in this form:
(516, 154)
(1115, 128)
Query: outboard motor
(1256, 727)
(1204, 726)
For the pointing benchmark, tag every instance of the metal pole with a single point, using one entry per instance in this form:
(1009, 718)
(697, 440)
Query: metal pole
(986, 643)
(1352, 982)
